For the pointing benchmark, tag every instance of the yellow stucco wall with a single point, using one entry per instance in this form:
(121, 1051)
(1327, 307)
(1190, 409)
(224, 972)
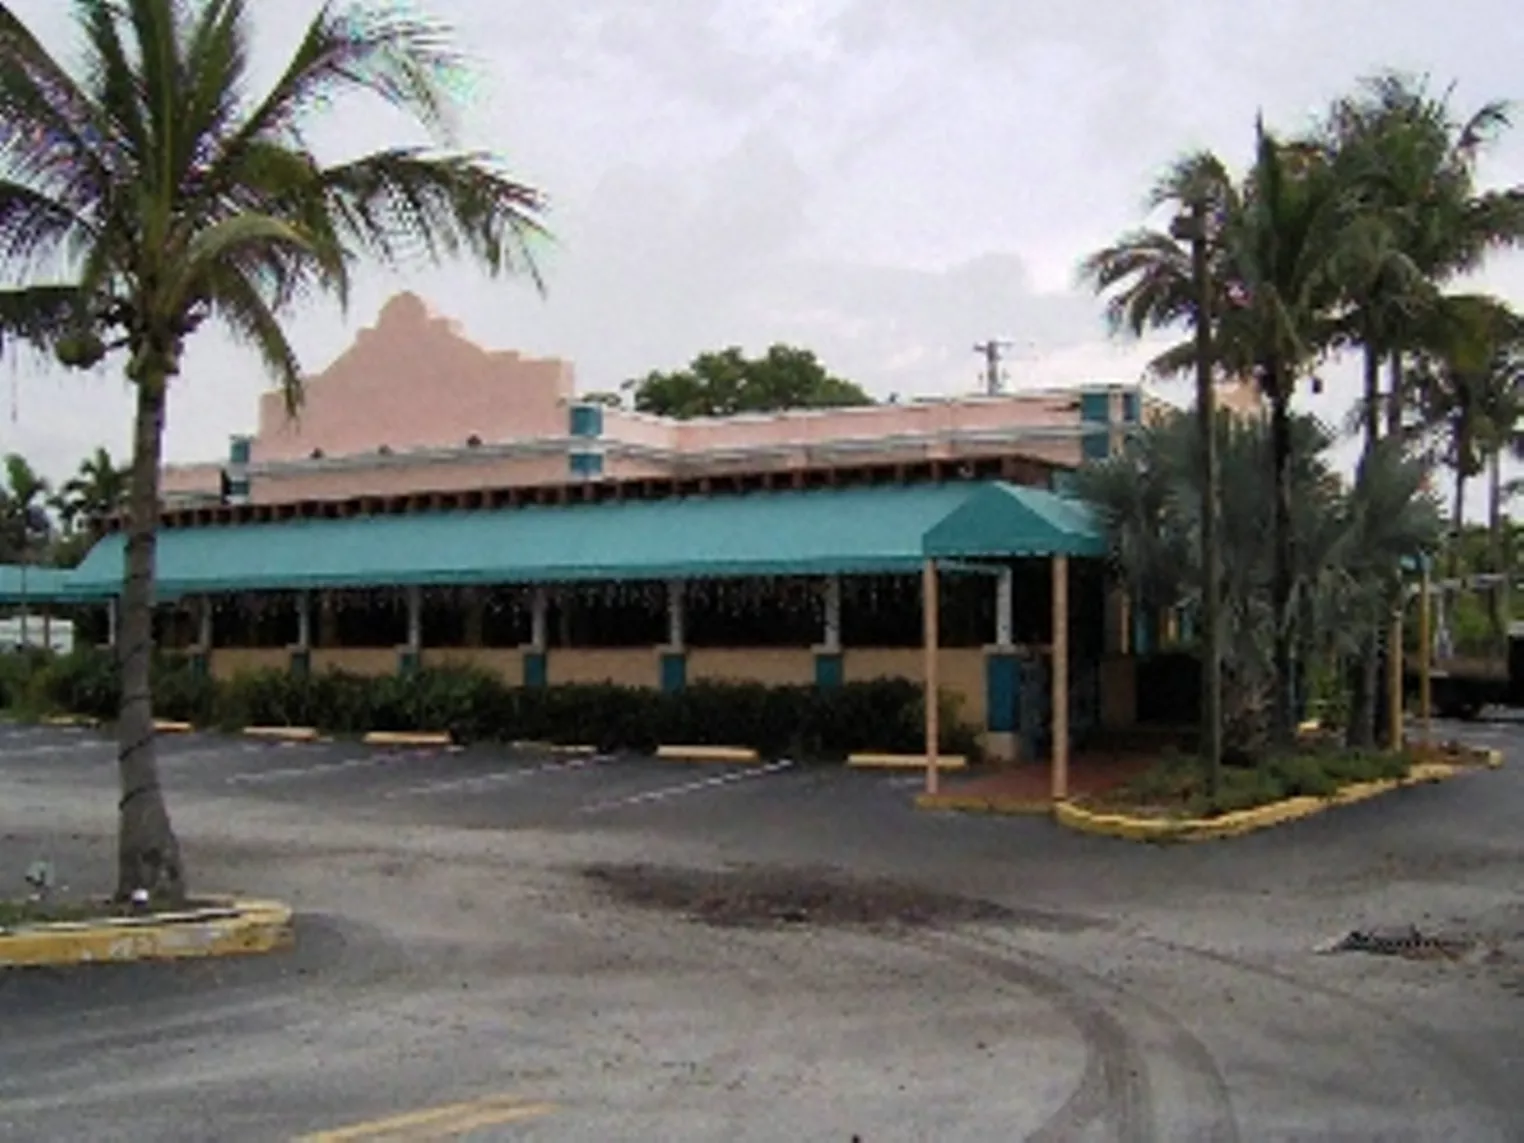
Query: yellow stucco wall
(357, 660)
(960, 671)
(229, 661)
(775, 666)
(505, 662)
(625, 666)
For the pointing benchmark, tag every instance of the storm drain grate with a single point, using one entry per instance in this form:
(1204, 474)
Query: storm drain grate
(1407, 942)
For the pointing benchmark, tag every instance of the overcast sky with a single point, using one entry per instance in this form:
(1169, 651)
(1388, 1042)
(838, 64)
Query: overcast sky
(884, 181)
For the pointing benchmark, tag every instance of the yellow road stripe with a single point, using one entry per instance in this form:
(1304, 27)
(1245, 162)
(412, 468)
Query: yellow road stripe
(447, 1122)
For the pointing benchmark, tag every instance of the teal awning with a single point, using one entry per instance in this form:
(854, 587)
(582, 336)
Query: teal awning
(32, 584)
(1014, 520)
(822, 532)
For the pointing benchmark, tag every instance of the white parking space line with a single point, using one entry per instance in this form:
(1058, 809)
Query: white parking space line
(507, 775)
(702, 784)
(286, 773)
(25, 753)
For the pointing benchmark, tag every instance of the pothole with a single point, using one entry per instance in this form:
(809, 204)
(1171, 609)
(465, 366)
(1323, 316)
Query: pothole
(771, 896)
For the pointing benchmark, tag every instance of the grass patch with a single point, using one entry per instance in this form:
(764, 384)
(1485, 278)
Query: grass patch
(1176, 787)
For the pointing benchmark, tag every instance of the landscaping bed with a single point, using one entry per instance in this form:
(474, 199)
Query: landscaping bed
(1170, 801)
(26, 914)
(472, 705)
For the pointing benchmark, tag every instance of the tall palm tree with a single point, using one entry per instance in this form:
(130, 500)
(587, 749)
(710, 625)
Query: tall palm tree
(1284, 247)
(97, 490)
(174, 194)
(1165, 278)
(1424, 220)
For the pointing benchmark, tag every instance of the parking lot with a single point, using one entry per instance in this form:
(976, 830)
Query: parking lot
(519, 945)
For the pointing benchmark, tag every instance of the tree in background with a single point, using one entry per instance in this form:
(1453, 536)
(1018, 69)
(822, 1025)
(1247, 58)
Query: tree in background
(728, 382)
(164, 192)
(25, 526)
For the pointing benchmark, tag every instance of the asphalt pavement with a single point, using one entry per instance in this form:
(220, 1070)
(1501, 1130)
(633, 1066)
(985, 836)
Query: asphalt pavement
(459, 975)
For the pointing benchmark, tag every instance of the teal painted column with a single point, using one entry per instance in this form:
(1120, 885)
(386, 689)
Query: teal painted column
(1002, 692)
(407, 660)
(674, 671)
(301, 662)
(829, 669)
(536, 668)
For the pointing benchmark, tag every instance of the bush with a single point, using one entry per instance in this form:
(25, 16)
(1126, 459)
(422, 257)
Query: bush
(800, 722)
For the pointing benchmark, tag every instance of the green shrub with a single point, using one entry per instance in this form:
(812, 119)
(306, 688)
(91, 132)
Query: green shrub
(800, 722)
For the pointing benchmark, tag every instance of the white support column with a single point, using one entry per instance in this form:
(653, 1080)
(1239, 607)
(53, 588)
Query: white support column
(1058, 685)
(676, 616)
(111, 621)
(832, 641)
(539, 609)
(414, 617)
(304, 621)
(204, 636)
(1005, 609)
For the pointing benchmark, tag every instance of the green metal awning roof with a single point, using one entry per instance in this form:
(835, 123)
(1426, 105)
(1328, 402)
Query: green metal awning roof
(820, 532)
(1014, 520)
(32, 584)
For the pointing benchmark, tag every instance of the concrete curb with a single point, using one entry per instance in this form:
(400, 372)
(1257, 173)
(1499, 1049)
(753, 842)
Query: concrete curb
(1128, 827)
(867, 761)
(707, 754)
(407, 738)
(283, 733)
(555, 747)
(77, 720)
(236, 928)
(983, 804)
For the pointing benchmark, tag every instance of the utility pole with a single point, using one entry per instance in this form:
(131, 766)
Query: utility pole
(990, 350)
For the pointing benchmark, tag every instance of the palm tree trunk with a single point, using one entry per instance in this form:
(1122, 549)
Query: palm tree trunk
(1359, 733)
(1457, 519)
(1372, 410)
(148, 854)
(1211, 499)
(1394, 398)
(1500, 601)
(1282, 716)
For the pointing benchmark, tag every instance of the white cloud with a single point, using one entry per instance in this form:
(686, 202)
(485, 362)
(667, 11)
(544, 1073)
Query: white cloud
(887, 181)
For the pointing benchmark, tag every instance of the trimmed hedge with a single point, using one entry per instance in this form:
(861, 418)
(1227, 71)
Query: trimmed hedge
(475, 705)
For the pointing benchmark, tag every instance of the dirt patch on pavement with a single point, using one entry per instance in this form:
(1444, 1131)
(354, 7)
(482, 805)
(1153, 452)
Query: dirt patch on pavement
(771, 896)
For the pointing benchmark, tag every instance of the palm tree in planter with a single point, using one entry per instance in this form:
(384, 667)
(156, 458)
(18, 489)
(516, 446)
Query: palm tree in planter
(175, 195)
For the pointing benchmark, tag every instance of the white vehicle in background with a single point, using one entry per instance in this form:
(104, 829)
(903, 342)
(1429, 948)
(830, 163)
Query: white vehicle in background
(56, 635)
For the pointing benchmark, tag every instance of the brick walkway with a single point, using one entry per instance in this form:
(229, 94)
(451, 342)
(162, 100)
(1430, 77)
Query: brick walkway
(1026, 786)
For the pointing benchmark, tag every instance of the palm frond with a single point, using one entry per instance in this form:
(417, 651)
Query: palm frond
(38, 317)
(401, 203)
(237, 300)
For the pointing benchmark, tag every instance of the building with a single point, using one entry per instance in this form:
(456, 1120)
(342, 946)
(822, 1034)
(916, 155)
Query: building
(436, 502)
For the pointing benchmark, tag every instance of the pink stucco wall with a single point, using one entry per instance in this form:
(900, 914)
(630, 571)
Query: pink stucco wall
(416, 385)
(412, 380)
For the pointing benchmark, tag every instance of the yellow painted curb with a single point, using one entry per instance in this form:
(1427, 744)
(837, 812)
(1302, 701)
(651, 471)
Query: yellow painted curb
(707, 754)
(975, 804)
(167, 726)
(235, 928)
(283, 733)
(905, 761)
(1239, 822)
(406, 738)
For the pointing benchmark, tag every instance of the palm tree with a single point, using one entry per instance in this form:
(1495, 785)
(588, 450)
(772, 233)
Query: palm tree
(1422, 221)
(1164, 279)
(1284, 246)
(97, 490)
(174, 195)
(23, 510)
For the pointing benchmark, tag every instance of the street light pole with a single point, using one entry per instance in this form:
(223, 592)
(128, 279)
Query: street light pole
(1193, 227)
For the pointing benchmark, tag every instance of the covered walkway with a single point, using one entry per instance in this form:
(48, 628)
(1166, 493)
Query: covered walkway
(932, 529)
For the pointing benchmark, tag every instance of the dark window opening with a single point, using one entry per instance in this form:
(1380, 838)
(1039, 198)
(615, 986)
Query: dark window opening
(782, 612)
